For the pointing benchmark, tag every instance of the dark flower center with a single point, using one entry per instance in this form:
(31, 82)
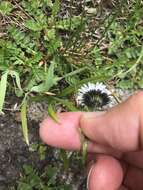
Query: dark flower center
(95, 99)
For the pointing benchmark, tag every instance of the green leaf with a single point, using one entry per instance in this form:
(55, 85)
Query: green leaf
(48, 3)
(53, 45)
(2, 56)
(3, 84)
(39, 88)
(52, 113)
(42, 151)
(17, 78)
(51, 34)
(74, 72)
(50, 80)
(56, 8)
(24, 186)
(65, 159)
(5, 7)
(33, 25)
(24, 121)
(50, 173)
(28, 169)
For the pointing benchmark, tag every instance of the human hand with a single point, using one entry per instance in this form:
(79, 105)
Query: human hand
(116, 136)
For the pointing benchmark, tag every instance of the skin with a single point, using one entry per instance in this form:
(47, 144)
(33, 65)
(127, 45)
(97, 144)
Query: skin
(116, 136)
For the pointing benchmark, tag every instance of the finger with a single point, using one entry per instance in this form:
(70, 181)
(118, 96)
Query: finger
(134, 158)
(120, 127)
(123, 188)
(105, 173)
(134, 178)
(98, 148)
(66, 134)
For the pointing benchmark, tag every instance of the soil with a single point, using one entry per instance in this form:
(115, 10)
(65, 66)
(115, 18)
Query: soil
(15, 153)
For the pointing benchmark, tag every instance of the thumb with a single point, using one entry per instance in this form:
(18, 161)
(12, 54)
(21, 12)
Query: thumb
(120, 127)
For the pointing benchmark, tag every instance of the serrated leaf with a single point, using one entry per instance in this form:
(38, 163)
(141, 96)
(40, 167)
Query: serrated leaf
(51, 34)
(24, 121)
(5, 7)
(39, 88)
(33, 25)
(50, 80)
(52, 113)
(3, 84)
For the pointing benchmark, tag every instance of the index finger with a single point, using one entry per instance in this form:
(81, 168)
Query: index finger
(66, 134)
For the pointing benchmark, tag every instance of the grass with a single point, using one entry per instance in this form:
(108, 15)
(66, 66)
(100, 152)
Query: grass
(35, 57)
(47, 52)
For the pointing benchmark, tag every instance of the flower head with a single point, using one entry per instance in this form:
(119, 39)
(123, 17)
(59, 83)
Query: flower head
(93, 96)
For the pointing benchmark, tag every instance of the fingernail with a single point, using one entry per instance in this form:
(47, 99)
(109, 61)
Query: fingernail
(88, 177)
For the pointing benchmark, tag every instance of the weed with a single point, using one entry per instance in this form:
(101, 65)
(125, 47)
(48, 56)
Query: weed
(32, 179)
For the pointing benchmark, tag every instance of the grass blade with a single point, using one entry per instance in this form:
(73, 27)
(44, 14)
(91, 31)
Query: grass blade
(24, 121)
(3, 84)
(84, 145)
(74, 72)
(52, 113)
(67, 103)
